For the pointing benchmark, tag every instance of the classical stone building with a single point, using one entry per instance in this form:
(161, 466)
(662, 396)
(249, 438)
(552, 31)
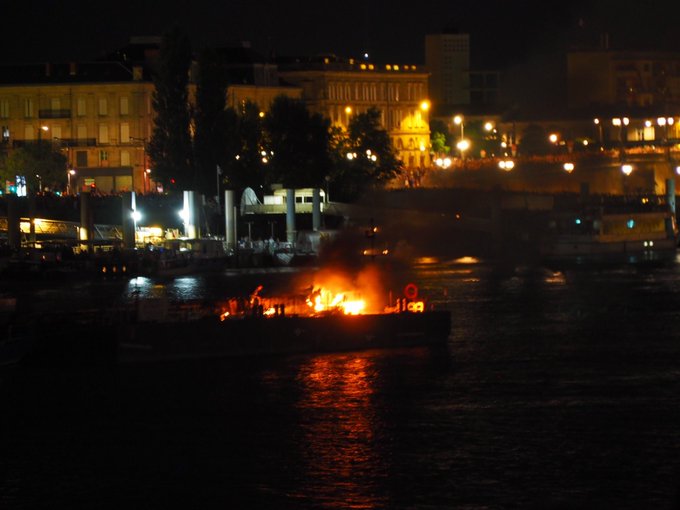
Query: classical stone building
(338, 89)
(99, 114)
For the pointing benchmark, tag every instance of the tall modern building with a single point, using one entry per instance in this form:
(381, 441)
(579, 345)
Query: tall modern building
(447, 58)
(339, 88)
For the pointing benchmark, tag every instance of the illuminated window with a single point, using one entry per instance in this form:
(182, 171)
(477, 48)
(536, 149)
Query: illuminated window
(103, 133)
(81, 107)
(5, 134)
(124, 158)
(103, 106)
(81, 131)
(124, 106)
(124, 132)
(28, 108)
(55, 104)
(4, 108)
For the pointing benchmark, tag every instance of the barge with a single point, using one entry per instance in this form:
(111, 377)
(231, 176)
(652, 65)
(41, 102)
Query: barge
(152, 330)
(315, 322)
(211, 337)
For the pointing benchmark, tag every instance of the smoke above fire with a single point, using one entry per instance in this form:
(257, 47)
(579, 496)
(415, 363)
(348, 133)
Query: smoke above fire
(334, 284)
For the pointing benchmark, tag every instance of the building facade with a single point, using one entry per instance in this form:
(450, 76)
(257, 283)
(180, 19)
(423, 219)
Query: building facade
(640, 80)
(339, 89)
(98, 114)
(447, 58)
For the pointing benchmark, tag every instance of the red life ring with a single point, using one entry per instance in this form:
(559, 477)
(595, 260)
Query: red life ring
(411, 291)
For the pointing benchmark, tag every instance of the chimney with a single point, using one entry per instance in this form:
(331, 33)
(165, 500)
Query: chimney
(72, 68)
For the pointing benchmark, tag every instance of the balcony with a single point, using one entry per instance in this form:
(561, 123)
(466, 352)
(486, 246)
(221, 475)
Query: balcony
(76, 142)
(54, 114)
(59, 143)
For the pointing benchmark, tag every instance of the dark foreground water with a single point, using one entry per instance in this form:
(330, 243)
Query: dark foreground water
(556, 390)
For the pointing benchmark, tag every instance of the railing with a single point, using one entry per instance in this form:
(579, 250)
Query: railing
(61, 142)
(54, 114)
(77, 142)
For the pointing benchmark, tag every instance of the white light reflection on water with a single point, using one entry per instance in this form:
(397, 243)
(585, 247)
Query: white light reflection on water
(185, 288)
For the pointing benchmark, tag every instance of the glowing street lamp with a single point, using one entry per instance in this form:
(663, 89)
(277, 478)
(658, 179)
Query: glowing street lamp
(443, 162)
(553, 138)
(506, 164)
(627, 169)
(425, 105)
(597, 122)
(40, 132)
(568, 167)
(459, 121)
(69, 173)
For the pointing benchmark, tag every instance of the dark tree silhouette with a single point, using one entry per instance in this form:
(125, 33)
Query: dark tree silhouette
(210, 121)
(170, 145)
(297, 143)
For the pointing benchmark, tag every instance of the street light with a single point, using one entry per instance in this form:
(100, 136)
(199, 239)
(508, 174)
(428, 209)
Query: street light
(599, 129)
(568, 167)
(458, 120)
(142, 141)
(506, 164)
(462, 146)
(40, 131)
(621, 123)
(69, 173)
(627, 169)
(147, 175)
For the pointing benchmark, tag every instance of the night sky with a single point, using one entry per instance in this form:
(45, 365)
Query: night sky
(502, 31)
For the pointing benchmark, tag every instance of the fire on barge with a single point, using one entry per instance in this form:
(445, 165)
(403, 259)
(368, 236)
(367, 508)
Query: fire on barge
(257, 325)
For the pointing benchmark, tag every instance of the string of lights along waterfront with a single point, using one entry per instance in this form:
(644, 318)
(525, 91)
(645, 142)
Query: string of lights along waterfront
(556, 389)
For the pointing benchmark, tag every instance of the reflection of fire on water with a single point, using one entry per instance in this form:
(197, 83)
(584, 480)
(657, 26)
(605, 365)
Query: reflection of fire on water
(327, 295)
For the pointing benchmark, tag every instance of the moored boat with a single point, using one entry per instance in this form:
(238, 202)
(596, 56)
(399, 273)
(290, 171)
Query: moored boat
(634, 234)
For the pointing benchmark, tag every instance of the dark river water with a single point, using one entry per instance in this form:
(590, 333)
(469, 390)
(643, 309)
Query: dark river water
(557, 390)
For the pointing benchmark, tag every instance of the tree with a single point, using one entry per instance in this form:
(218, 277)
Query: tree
(245, 165)
(440, 138)
(170, 144)
(298, 144)
(364, 157)
(210, 119)
(39, 163)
